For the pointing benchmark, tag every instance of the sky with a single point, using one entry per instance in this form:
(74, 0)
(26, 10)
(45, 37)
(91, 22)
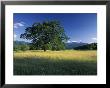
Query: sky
(79, 27)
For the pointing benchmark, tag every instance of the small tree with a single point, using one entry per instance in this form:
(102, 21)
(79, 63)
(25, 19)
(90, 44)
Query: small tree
(46, 35)
(17, 47)
(24, 47)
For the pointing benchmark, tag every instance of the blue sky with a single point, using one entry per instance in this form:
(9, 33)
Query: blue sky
(79, 27)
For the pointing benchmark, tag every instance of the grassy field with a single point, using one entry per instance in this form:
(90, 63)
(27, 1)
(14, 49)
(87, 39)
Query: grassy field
(68, 62)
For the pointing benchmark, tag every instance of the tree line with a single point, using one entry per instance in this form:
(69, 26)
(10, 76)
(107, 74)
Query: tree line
(28, 46)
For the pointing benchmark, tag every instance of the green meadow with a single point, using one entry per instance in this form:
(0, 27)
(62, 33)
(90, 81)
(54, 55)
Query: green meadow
(65, 62)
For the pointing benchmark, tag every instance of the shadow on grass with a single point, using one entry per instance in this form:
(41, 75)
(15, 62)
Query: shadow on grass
(54, 67)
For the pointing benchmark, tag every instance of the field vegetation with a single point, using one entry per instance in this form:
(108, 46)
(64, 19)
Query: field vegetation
(65, 62)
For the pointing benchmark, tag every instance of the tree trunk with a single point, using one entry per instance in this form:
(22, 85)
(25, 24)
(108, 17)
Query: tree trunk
(44, 49)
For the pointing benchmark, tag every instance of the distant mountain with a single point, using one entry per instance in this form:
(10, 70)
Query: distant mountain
(72, 45)
(21, 43)
(91, 46)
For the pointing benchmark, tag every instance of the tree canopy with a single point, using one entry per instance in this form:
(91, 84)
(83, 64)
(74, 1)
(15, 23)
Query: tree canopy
(46, 35)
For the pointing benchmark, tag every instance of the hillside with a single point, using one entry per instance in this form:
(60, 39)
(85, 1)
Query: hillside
(72, 45)
(92, 46)
(20, 43)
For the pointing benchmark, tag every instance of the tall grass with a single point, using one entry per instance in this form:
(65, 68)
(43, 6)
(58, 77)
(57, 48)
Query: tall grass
(68, 62)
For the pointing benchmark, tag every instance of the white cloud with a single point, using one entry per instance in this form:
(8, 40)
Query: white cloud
(94, 38)
(74, 41)
(80, 40)
(68, 41)
(18, 24)
(71, 41)
(15, 36)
